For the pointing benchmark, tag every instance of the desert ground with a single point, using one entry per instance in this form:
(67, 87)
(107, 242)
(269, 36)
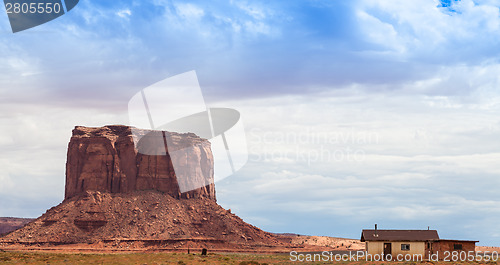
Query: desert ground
(36, 257)
(95, 254)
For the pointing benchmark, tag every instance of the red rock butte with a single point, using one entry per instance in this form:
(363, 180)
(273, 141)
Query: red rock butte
(121, 199)
(106, 159)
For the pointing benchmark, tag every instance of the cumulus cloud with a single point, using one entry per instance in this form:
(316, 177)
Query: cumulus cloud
(189, 11)
(418, 163)
(461, 31)
(124, 13)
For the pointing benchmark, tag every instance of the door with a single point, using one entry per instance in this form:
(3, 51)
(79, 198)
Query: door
(428, 250)
(387, 249)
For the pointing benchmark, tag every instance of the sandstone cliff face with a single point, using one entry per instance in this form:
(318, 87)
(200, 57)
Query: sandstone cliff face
(110, 159)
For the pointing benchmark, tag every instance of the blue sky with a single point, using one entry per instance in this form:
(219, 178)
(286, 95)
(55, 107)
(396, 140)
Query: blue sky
(420, 78)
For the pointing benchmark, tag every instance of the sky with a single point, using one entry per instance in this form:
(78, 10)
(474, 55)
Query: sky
(356, 112)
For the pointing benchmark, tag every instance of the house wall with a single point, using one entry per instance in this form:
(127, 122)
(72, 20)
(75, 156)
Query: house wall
(377, 247)
(415, 248)
(440, 247)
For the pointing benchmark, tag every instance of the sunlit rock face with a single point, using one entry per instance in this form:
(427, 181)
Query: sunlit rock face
(110, 159)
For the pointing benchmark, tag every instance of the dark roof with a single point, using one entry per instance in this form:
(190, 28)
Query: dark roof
(399, 235)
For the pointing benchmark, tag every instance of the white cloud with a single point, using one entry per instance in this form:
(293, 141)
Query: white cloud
(5, 180)
(189, 11)
(424, 29)
(380, 33)
(434, 158)
(34, 146)
(124, 13)
(253, 10)
(257, 28)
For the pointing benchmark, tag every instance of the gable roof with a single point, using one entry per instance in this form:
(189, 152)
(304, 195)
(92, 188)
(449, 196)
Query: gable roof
(399, 235)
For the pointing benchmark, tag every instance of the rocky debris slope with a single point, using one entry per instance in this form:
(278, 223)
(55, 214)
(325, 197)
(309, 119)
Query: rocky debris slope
(150, 217)
(107, 159)
(8, 224)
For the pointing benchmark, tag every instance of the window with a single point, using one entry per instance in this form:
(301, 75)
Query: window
(405, 246)
(457, 246)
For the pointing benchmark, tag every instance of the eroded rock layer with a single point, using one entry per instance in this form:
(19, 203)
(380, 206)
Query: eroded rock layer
(109, 159)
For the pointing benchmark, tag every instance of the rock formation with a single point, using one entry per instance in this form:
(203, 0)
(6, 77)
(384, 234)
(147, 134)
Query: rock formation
(149, 217)
(8, 224)
(122, 191)
(109, 159)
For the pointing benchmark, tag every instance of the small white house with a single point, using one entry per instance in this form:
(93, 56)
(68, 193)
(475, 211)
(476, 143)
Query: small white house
(412, 242)
(395, 242)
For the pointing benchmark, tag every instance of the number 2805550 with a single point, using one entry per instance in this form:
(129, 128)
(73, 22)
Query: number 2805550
(33, 8)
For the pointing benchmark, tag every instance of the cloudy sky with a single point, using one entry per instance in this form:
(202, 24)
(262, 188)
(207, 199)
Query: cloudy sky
(356, 112)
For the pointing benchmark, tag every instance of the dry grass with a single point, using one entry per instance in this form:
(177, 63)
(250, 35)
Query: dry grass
(136, 258)
(165, 258)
